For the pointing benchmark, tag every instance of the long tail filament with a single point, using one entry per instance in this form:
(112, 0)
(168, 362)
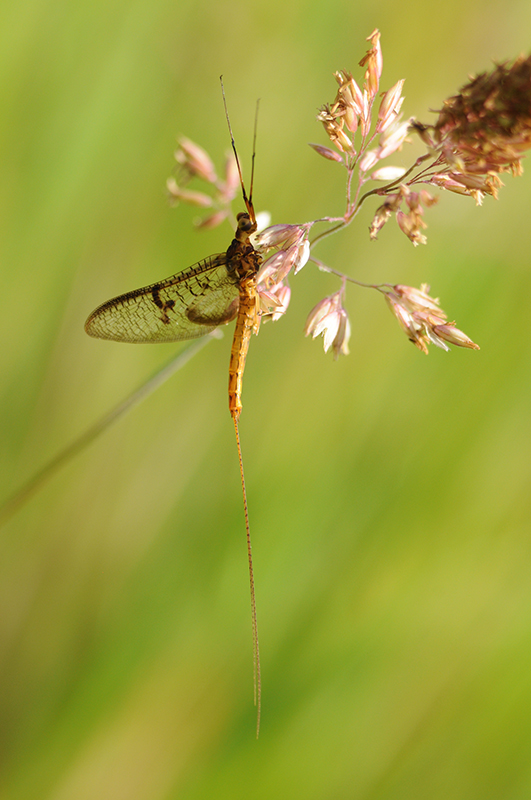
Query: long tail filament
(256, 650)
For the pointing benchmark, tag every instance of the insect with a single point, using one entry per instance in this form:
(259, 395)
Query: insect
(193, 303)
(190, 304)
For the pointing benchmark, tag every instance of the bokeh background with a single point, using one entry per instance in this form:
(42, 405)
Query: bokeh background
(389, 492)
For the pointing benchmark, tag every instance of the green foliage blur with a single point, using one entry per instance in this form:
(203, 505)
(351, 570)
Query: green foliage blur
(389, 492)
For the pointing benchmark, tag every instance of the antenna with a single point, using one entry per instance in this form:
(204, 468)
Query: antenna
(247, 200)
(254, 152)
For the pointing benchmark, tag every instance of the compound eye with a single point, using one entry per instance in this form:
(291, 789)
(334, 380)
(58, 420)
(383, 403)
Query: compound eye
(244, 222)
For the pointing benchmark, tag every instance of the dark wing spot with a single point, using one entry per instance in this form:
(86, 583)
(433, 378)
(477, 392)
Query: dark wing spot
(164, 306)
(156, 298)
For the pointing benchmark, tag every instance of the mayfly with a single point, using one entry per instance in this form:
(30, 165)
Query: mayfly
(190, 304)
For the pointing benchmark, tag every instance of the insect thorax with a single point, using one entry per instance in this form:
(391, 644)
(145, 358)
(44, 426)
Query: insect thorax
(242, 260)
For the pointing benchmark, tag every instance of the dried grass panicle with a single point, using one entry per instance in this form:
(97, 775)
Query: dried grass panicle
(363, 135)
(479, 133)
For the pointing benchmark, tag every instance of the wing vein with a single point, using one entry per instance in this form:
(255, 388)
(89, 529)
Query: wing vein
(186, 305)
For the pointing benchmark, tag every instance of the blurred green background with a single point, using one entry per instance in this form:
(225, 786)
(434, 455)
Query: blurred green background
(389, 492)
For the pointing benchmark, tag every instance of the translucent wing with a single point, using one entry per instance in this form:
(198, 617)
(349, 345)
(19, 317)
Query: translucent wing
(185, 306)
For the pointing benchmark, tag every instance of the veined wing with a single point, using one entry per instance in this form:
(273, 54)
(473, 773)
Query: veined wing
(185, 306)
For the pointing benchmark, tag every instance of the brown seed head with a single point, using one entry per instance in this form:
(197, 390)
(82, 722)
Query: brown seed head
(488, 124)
